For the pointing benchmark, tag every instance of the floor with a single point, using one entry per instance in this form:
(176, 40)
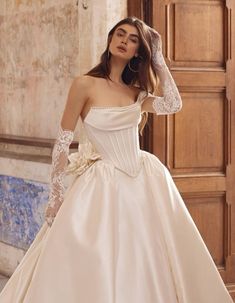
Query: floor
(3, 281)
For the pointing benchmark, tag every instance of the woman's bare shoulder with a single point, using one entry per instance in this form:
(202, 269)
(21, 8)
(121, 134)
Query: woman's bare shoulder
(83, 81)
(77, 97)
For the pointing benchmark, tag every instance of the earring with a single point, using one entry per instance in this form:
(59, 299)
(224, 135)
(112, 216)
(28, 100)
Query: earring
(129, 65)
(108, 53)
(133, 70)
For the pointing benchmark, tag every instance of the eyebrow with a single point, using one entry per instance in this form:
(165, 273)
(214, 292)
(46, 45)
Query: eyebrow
(123, 30)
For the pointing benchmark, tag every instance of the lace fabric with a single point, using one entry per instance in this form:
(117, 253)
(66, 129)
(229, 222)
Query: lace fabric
(58, 169)
(171, 101)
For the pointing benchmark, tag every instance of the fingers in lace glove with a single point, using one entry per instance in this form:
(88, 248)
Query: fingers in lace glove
(156, 39)
(158, 60)
(171, 101)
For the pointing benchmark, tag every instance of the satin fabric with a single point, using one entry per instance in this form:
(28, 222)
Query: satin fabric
(123, 233)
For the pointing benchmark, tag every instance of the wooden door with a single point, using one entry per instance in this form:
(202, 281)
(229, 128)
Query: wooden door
(198, 143)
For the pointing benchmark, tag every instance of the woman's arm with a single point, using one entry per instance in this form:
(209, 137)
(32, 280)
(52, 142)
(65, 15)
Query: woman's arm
(76, 99)
(171, 101)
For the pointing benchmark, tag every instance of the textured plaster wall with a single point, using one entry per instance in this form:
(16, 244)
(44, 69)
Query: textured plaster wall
(43, 45)
(38, 55)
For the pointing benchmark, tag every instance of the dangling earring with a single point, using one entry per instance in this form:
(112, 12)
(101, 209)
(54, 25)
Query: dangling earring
(129, 65)
(133, 70)
(108, 54)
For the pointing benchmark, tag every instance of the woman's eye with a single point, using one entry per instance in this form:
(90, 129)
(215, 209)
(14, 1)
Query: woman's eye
(119, 34)
(134, 40)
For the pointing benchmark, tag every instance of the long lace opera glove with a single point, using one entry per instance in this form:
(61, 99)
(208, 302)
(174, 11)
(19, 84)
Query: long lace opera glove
(59, 163)
(171, 101)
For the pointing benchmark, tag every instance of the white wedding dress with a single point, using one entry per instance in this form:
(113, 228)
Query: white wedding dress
(123, 233)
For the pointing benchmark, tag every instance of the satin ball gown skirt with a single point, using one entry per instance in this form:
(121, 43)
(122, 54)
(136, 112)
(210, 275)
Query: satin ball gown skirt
(119, 239)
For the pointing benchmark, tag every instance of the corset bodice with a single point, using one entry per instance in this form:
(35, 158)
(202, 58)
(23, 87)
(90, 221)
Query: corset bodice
(114, 133)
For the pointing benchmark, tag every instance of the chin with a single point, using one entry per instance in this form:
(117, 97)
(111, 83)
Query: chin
(121, 56)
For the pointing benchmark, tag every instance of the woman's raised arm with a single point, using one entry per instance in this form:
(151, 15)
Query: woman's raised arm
(171, 101)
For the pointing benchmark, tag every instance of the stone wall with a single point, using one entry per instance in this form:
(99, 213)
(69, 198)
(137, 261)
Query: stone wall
(43, 46)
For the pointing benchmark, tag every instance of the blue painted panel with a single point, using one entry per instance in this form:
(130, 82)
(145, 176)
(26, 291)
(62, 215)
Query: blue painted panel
(22, 205)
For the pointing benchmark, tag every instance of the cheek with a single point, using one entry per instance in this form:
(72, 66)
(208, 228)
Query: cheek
(134, 48)
(115, 40)
(112, 44)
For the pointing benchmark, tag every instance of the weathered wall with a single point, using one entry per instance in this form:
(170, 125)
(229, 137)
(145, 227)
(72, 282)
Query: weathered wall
(43, 46)
(39, 51)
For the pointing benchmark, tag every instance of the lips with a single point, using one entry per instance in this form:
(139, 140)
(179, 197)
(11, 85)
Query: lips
(122, 48)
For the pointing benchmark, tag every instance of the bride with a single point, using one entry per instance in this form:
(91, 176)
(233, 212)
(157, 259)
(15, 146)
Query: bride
(121, 232)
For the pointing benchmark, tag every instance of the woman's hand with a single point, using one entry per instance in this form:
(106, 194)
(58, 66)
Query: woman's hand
(156, 40)
(158, 60)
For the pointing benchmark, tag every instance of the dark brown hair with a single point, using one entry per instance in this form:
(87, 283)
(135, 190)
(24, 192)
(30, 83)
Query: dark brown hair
(145, 78)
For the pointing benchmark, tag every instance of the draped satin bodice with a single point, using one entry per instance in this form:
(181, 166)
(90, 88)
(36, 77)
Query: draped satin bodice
(114, 133)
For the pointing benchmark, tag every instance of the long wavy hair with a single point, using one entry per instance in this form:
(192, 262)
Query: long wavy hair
(144, 76)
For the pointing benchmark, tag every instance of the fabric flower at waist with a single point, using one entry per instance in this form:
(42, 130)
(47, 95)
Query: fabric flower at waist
(82, 160)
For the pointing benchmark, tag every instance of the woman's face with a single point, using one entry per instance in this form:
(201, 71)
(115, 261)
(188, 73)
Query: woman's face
(125, 42)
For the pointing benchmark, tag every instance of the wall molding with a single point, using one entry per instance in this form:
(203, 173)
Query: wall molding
(28, 148)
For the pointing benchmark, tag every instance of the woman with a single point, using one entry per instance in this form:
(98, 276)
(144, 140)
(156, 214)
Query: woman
(121, 232)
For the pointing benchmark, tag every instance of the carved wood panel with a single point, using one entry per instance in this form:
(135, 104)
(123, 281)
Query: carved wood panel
(198, 143)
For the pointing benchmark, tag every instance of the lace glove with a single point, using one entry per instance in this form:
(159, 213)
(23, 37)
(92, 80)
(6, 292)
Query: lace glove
(59, 163)
(171, 101)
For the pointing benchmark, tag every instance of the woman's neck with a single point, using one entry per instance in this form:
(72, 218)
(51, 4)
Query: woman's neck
(116, 69)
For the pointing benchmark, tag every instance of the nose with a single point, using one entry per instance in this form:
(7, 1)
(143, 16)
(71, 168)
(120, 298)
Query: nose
(124, 40)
